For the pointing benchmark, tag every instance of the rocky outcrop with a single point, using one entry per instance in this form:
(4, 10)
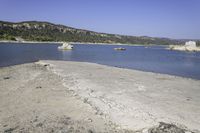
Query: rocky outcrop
(184, 48)
(65, 46)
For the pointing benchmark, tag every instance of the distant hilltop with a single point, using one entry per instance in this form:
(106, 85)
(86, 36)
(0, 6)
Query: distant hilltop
(45, 31)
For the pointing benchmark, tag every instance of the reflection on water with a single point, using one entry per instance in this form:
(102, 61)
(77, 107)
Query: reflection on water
(66, 55)
(152, 58)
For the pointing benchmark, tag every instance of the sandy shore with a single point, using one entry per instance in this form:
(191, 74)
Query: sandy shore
(59, 96)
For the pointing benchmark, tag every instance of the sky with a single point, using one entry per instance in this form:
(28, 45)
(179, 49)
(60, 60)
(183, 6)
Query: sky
(178, 19)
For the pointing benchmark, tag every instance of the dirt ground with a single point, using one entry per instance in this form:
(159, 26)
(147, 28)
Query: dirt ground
(61, 97)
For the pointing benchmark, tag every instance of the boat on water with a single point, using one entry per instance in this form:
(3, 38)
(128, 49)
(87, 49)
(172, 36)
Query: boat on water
(120, 48)
(65, 46)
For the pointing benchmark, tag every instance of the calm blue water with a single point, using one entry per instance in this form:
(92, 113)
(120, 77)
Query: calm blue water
(154, 58)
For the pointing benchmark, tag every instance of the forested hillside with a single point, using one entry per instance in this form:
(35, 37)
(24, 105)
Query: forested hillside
(45, 31)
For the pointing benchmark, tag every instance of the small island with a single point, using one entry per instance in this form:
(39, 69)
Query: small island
(120, 49)
(66, 46)
(190, 46)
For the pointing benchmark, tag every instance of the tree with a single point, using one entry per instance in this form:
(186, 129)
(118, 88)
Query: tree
(198, 43)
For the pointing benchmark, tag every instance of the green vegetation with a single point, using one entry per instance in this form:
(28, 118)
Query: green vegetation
(44, 31)
(7, 37)
(198, 43)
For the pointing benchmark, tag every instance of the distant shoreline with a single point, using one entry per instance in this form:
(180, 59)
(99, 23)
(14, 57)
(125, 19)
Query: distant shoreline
(6, 41)
(43, 32)
(121, 44)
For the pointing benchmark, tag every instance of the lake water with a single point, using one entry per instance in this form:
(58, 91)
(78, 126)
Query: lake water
(154, 58)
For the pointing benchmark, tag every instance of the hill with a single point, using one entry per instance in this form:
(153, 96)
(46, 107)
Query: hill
(45, 31)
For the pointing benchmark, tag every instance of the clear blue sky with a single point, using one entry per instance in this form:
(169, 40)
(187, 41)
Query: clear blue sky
(158, 18)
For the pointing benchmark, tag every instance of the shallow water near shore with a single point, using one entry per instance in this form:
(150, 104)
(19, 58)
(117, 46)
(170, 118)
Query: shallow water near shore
(153, 58)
